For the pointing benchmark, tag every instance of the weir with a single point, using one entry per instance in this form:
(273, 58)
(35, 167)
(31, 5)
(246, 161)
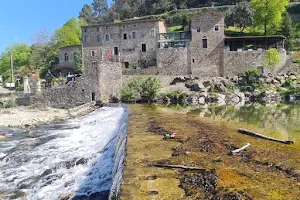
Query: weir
(81, 158)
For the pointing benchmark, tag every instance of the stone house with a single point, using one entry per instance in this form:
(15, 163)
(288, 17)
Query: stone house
(66, 58)
(113, 52)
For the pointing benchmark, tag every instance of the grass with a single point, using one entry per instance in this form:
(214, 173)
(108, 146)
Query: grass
(175, 28)
(249, 31)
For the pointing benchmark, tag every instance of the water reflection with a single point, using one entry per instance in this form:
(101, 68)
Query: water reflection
(277, 120)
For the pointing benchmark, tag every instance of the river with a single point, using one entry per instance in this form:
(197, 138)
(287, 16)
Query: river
(70, 158)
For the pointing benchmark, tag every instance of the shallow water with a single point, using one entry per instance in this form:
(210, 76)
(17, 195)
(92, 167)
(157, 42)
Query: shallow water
(72, 157)
(276, 120)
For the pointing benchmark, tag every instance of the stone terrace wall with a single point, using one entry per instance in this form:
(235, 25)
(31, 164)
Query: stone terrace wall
(165, 80)
(172, 61)
(66, 96)
(239, 62)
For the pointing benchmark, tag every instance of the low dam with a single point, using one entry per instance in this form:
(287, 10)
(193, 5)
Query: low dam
(81, 158)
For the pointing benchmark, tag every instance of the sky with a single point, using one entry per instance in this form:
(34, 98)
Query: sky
(21, 20)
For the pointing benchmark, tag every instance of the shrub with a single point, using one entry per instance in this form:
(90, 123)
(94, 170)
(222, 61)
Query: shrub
(142, 89)
(272, 59)
(10, 103)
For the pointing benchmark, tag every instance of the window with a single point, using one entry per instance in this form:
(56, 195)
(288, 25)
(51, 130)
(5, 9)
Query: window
(98, 29)
(98, 38)
(107, 37)
(134, 25)
(123, 26)
(193, 60)
(93, 53)
(125, 36)
(66, 57)
(126, 64)
(204, 43)
(85, 30)
(85, 39)
(198, 29)
(216, 27)
(133, 35)
(116, 51)
(106, 27)
(144, 48)
(152, 33)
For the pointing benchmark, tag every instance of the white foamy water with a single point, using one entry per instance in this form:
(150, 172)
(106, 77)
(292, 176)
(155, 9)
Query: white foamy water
(75, 157)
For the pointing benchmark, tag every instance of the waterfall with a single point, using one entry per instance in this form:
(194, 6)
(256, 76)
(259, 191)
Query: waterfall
(80, 157)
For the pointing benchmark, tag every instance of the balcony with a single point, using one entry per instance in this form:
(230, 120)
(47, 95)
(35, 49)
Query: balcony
(175, 36)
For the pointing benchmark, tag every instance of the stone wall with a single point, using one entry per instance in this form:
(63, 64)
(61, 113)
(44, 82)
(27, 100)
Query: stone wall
(172, 61)
(71, 95)
(130, 49)
(207, 61)
(70, 50)
(239, 62)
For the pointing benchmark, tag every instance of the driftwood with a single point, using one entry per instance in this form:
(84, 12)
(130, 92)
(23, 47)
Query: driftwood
(251, 133)
(179, 167)
(240, 149)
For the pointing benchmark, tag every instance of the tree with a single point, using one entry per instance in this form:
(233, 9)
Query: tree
(69, 34)
(78, 61)
(272, 59)
(268, 13)
(99, 7)
(240, 15)
(287, 30)
(87, 14)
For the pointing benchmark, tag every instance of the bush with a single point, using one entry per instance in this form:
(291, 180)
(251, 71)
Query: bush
(11, 103)
(140, 89)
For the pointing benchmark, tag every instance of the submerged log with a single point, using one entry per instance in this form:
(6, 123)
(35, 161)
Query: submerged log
(251, 133)
(179, 167)
(240, 149)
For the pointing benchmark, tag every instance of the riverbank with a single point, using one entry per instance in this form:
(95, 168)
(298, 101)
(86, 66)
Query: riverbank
(265, 170)
(24, 116)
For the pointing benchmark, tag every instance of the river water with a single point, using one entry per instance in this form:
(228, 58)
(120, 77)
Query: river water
(276, 120)
(74, 157)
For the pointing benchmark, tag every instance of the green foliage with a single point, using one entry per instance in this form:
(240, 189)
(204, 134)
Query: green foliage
(11, 103)
(175, 28)
(252, 81)
(240, 15)
(268, 13)
(142, 89)
(272, 59)
(69, 34)
(78, 62)
(287, 30)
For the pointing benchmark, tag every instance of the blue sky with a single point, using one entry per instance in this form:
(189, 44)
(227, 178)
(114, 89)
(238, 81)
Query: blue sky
(22, 19)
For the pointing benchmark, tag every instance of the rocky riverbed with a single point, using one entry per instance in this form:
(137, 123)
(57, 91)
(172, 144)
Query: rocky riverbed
(232, 90)
(265, 170)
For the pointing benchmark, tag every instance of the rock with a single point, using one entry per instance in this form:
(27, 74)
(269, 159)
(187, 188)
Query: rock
(31, 134)
(201, 100)
(221, 88)
(193, 86)
(46, 172)
(293, 77)
(206, 83)
(2, 137)
(268, 80)
(232, 99)
(241, 95)
(66, 196)
(247, 94)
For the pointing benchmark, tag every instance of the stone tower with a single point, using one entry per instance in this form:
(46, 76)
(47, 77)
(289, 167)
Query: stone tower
(206, 48)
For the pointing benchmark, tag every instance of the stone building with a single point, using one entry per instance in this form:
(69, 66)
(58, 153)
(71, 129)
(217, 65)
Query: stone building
(113, 52)
(66, 58)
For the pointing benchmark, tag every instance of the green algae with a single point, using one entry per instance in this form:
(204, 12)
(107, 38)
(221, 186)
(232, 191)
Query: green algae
(266, 170)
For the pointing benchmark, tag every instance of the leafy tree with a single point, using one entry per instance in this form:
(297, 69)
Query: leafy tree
(287, 30)
(78, 61)
(99, 7)
(272, 59)
(240, 15)
(268, 13)
(87, 14)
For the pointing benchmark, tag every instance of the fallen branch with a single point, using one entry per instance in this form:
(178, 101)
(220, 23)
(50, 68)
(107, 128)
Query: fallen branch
(240, 149)
(179, 167)
(250, 133)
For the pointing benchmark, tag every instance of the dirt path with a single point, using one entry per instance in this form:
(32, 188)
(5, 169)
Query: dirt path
(266, 170)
